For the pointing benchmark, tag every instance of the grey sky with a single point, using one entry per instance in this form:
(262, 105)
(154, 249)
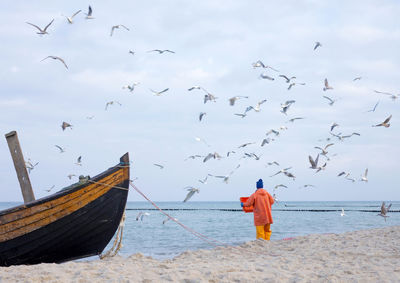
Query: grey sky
(215, 44)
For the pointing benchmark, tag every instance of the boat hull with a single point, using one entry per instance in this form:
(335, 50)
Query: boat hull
(73, 223)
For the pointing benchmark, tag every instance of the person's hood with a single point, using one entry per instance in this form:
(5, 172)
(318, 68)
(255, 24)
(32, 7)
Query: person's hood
(261, 192)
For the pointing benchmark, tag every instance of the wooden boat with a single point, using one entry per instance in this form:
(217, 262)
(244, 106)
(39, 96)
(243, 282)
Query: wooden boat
(76, 222)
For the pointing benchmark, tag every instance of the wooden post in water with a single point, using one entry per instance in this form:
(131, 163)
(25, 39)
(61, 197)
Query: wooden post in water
(19, 164)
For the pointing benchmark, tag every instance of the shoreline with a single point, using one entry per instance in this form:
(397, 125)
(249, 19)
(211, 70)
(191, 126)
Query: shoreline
(360, 256)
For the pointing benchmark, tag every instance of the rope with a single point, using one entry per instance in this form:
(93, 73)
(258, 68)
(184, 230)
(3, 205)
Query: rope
(117, 242)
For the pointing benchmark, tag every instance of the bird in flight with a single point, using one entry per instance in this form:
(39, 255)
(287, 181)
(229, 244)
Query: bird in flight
(131, 52)
(334, 125)
(89, 14)
(209, 97)
(214, 155)
(373, 109)
(29, 165)
(112, 103)
(79, 161)
(232, 100)
(56, 58)
(260, 64)
(48, 190)
(191, 192)
(161, 51)
(342, 213)
(245, 144)
(285, 106)
(287, 78)
(70, 176)
(384, 123)
(384, 210)
(158, 93)
(201, 115)
(141, 216)
(281, 171)
(323, 150)
(131, 87)
(41, 31)
(69, 19)
(326, 85)
(364, 178)
(196, 87)
(65, 125)
(201, 140)
(117, 27)
(357, 79)
(317, 44)
(314, 163)
(159, 165)
(60, 148)
(265, 76)
(294, 119)
(331, 101)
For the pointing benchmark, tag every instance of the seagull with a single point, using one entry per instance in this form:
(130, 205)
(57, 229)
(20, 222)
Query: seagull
(281, 171)
(333, 126)
(65, 125)
(241, 115)
(30, 166)
(117, 27)
(266, 77)
(209, 97)
(245, 144)
(273, 163)
(285, 106)
(384, 210)
(357, 79)
(70, 176)
(232, 100)
(69, 19)
(287, 79)
(317, 44)
(48, 190)
(79, 161)
(341, 174)
(265, 141)
(191, 192)
(384, 123)
(200, 139)
(42, 31)
(193, 157)
(112, 103)
(272, 131)
(257, 108)
(373, 109)
(314, 163)
(214, 155)
(294, 119)
(158, 93)
(348, 178)
(293, 84)
(202, 115)
(89, 14)
(229, 153)
(323, 150)
(60, 148)
(327, 86)
(260, 64)
(141, 215)
(131, 87)
(196, 87)
(352, 134)
(342, 213)
(131, 52)
(331, 101)
(308, 185)
(56, 58)
(280, 185)
(204, 181)
(159, 165)
(364, 178)
(169, 218)
(161, 51)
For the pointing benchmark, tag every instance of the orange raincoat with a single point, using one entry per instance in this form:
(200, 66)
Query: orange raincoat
(262, 201)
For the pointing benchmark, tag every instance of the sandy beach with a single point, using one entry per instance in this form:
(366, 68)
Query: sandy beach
(360, 256)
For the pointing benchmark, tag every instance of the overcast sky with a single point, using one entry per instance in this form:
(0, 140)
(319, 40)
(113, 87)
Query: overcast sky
(215, 44)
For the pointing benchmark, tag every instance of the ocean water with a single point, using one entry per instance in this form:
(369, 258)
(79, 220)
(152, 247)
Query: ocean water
(215, 220)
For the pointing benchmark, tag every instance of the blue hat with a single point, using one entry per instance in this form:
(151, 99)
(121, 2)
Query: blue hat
(260, 184)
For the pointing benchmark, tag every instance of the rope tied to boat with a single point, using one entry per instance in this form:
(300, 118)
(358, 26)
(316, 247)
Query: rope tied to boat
(117, 245)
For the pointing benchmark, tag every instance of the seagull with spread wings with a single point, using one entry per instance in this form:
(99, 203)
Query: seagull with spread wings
(384, 123)
(158, 93)
(326, 85)
(384, 210)
(323, 150)
(65, 125)
(192, 191)
(89, 13)
(60, 148)
(131, 87)
(317, 44)
(161, 51)
(232, 100)
(364, 177)
(56, 58)
(69, 19)
(41, 31)
(112, 103)
(117, 27)
(331, 101)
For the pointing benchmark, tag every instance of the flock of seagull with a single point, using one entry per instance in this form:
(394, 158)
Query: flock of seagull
(271, 136)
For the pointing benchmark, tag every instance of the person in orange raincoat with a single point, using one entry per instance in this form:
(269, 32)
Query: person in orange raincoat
(262, 201)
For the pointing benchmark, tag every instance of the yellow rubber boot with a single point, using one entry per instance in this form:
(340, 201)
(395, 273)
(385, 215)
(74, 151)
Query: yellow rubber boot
(260, 232)
(267, 232)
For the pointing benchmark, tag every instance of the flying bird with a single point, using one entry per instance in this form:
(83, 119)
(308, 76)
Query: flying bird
(159, 165)
(281, 171)
(202, 140)
(161, 51)
(201, 115)
(56, 58)
(334, 125)
(48, 190)
(280, 186)
(141, 216)
(314, 163)
(79, 161)
(117, 27)
(158, 93)
(70, 176)
(112, 103)
(30, 165)
(260, 64)
(131, 87)
(265, 76)
(245, 144)
(285, 106)
(209, 97)
(89, 13)
(214, 155)
(196, 87)
(384, 210)
(317, 44)
(364, 178)
(69, 19)
(342, 213)
(287, 78)
(42, 31)
(131, 52)
(232, 100)
(384, 123)
(60, 148)
(357, 79)
(326, 85)
(191, 192)
(65, 125)
(323, 150)
(331, 101)
(373, 109)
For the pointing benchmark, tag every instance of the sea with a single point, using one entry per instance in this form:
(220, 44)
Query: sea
(209, 224)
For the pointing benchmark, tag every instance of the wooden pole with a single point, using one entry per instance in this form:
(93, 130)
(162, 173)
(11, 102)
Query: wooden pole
(19, 164)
